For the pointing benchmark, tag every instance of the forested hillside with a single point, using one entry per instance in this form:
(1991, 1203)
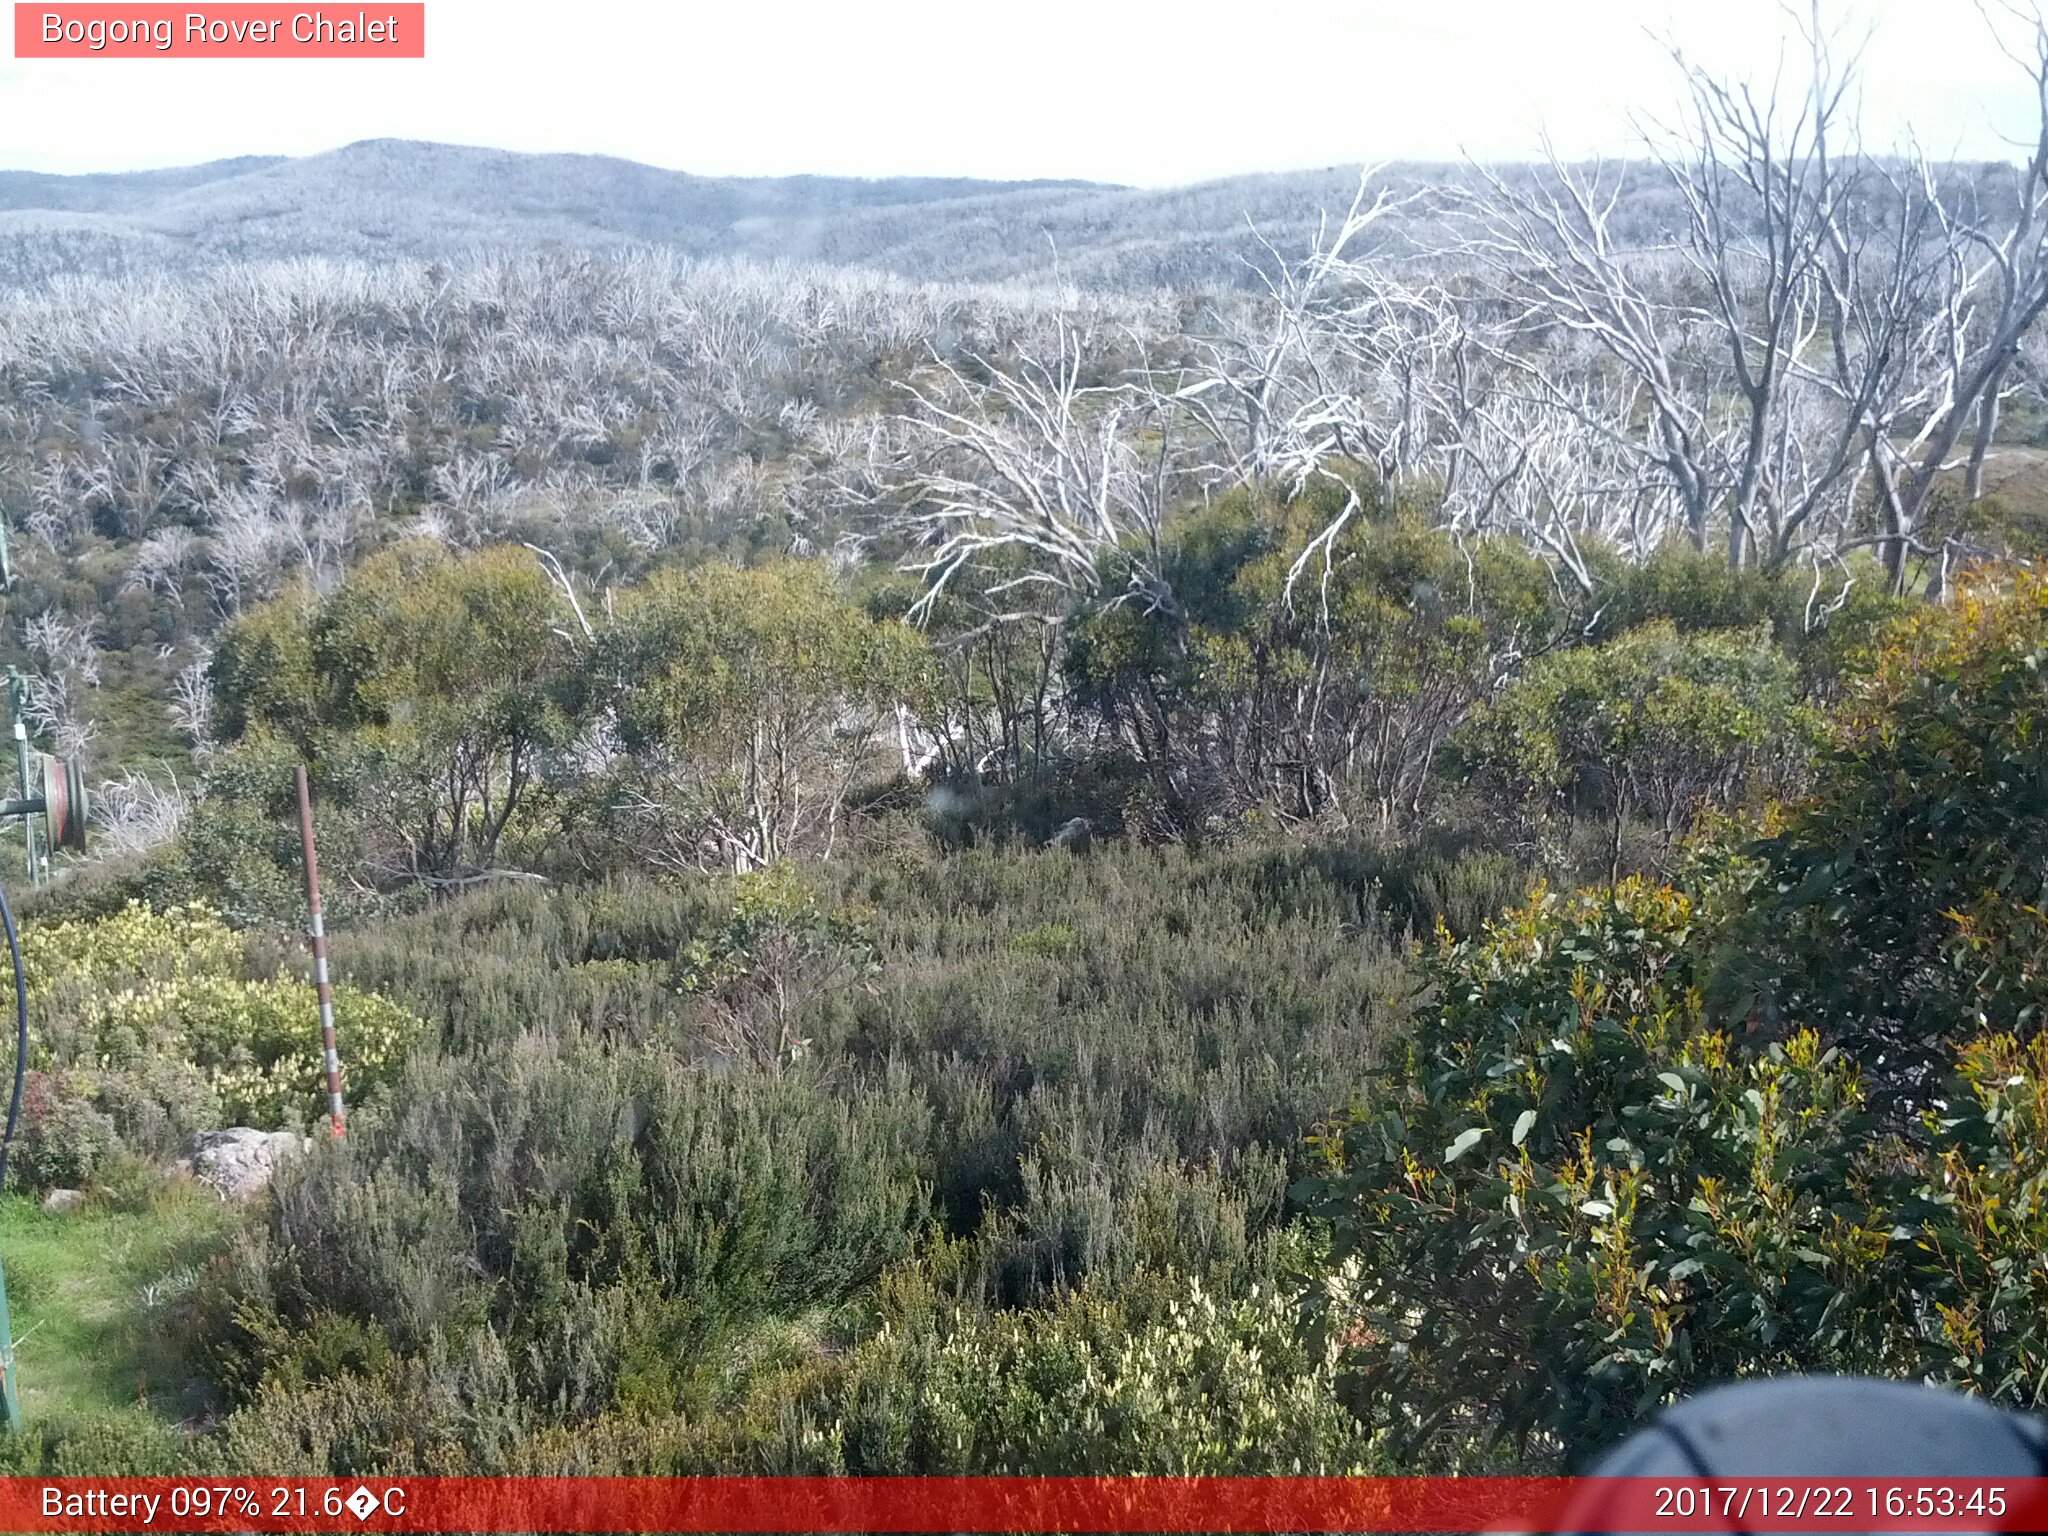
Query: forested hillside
(387, 199)
(390, 200)
(1370, 846)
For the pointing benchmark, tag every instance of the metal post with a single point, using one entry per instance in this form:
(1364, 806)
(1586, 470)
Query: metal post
(10, 1390)
(10, 1394)
(17, 700)
(316, 934)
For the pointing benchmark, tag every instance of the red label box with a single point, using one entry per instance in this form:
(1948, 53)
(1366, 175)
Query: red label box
(231, 31)
(1214, 1506)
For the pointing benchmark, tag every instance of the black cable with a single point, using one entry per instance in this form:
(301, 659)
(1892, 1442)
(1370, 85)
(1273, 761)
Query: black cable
(21, 1034)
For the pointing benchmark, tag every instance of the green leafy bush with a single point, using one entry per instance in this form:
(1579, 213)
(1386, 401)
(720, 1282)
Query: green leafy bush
(240, 850)
(1206, 1386)
(65, 1136)
(1903, 903)
(1197, 1384)
(1978, 1211)
(67, 961)
(1303, 681)
(593, 1204)
(1582, 1200)
(750, 704)
(1651, 725)
(779, 952)
(424, 689)
(258, 1043)
(1067, 1073)
(127, 1443)
(143, 1030)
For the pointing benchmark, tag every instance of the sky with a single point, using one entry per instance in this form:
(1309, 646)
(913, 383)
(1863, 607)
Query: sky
(1136, 91)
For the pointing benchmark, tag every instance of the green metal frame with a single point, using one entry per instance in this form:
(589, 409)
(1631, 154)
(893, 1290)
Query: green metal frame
(7, 1390)
(17, 705)
(17, 699)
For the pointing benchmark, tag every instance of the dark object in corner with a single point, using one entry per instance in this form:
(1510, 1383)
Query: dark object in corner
(1826, 1426)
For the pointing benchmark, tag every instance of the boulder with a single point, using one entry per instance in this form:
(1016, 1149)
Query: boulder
(59, 1201)
(1076, 836)
(239, 1161)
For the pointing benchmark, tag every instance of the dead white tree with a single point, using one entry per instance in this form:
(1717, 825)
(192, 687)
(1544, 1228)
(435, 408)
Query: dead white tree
(1765, 189)
(1823, 332)
(1028, 464)
(1554, 474)
(134, 813)
(1554, 263)
(1980, 292)
(67, 657)
(191, 708)
(1258, 392)
(1340, 359)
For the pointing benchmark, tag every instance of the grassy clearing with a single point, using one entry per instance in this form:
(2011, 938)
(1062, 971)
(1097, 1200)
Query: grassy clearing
(88, 1292)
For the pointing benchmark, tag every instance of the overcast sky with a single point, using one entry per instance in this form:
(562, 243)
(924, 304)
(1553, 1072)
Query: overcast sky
(1154, 92)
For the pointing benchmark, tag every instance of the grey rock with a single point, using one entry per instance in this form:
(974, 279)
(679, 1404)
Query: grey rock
(238, 1162)
(61, 1201)
(1077, 836)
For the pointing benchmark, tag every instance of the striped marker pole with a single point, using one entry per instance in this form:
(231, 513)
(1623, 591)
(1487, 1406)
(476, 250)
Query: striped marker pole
(316, 934)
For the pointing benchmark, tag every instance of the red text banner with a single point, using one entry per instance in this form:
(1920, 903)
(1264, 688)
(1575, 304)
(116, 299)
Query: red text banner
(991, 1504)
(229, 31)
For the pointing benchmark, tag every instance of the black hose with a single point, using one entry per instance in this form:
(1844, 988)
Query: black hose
(20, 1034)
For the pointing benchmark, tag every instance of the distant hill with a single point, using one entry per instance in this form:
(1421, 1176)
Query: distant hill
(392, 198)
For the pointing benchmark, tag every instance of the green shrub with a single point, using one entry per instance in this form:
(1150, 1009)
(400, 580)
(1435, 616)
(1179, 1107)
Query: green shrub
(144, 1030)
(1582, 1200)
(778, 953)
(1652, 725)
(424, 689)
(141, 1002)
(454, 1410)
(132, 1442)
(750, 704)
(1903, 902)
(65, 1137)
(1824, 626)
(83, 959)
(542, 1190)
(1327, 697)
(1064, 1072)
(258, 1042)
(1977, 1212)
(1195, 1385)
(1212, 1386)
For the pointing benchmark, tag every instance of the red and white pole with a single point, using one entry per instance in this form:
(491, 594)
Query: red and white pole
(316, 934)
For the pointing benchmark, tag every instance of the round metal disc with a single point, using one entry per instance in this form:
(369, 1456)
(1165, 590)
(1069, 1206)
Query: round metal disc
(64, 795)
